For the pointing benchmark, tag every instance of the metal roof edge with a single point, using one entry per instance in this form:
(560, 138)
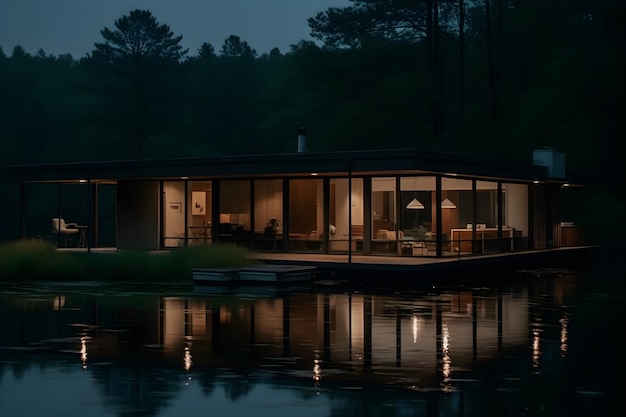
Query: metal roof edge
(407, 154)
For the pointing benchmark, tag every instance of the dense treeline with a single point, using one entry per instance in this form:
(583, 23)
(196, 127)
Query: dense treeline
(495, 78)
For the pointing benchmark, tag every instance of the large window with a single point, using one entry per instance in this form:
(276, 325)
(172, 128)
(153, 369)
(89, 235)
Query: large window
(496, 224)
(174, 204)
(346, 215)
(199, 211)
(417, 195)
(384, 224)
(457, 212)
(306, 215)
(487, 204)
(515, 209)
(234, 211)
(268, 214)
(191, 211)
(417, 211)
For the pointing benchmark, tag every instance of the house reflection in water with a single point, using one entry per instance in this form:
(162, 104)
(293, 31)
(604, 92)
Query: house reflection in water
(323, 340)
(358, 331)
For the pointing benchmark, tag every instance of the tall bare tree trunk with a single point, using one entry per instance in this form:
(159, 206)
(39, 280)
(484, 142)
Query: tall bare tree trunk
(490, 67)
(432, 68)
(462, 54)
(435, 65)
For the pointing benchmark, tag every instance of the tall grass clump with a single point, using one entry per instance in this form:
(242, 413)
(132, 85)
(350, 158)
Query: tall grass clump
(219, 255)
(35, 260)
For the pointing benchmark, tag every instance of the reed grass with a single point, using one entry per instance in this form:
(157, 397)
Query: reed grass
(37, 260)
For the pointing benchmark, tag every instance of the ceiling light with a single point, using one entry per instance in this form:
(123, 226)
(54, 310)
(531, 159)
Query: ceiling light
(447, 204)
(415, 204)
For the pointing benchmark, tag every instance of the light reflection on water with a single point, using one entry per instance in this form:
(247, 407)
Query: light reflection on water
(102, 351)
(83, 351)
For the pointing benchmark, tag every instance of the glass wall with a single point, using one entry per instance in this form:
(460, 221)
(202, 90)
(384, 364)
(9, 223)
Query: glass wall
(515, 209)
(199, 212)
(457, 210)
(192, 211)
(346, 215)
(306, 215)
(384, 225)
(417, 211)
(174, 207)
(235, 222)
(487, 217)
(268, 214)
(403, 218)
(491, 228)
(487, 204)
(457, 216)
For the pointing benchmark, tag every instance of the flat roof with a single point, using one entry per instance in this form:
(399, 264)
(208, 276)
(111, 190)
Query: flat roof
(370, 162)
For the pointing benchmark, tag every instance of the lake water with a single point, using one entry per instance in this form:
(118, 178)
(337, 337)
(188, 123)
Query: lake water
(540, 342)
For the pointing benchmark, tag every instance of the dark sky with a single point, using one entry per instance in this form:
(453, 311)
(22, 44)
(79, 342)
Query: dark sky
(73, 26)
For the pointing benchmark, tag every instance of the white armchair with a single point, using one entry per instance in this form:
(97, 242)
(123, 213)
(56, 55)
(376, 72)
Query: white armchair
(67, 230)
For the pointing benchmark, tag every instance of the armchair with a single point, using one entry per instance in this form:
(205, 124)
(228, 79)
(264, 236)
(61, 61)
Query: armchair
(67, 230)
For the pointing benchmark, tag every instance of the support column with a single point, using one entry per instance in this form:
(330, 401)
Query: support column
(22, 210)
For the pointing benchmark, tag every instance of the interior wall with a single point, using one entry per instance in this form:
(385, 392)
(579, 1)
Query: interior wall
(234, 203)
(138, 215)
(204, 218)
(342, 202)
(268, 202)
(516, 207)
(305, 203)
(174, 218)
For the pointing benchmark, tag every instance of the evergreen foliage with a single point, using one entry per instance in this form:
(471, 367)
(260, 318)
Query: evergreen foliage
(387, 74)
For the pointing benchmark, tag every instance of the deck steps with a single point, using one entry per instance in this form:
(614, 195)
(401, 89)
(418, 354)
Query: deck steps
(259, 273)
(215, 274)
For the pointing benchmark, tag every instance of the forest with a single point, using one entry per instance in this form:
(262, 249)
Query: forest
(490, 78)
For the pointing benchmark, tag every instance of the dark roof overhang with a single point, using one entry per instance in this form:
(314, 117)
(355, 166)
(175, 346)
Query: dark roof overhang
(409, 161)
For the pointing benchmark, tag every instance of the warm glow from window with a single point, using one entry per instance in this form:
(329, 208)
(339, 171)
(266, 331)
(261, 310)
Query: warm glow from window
(317, 371)
(564, 325)
(446, 369)
(187, 362)
(536, 348)
(418, 323)
(83, 352)
(58, 302)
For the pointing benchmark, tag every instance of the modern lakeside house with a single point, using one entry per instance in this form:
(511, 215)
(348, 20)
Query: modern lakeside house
(405, 203)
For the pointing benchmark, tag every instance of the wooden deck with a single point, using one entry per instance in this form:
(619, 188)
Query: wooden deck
(422, 266)
(403, 268)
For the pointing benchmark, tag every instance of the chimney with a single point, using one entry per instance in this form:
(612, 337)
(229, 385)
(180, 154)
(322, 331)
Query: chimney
(555, 161)
(301, 139)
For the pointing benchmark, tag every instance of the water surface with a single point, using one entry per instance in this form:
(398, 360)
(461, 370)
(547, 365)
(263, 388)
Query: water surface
(541, 342)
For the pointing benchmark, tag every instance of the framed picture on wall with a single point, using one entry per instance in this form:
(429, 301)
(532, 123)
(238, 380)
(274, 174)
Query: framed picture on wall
(175, 207)
(198, 203)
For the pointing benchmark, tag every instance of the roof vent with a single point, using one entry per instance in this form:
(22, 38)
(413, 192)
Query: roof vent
(301, 140)
(555, 161)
